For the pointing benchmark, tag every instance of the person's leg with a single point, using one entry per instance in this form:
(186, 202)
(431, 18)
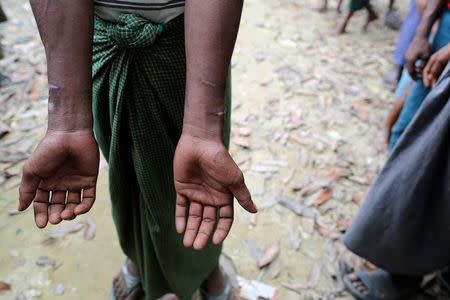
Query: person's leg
(324, 7)
(405, 37)
(215, 283)
(371, 16)
(339, 5)
(342, 29)
(3, 17)
(411, 106)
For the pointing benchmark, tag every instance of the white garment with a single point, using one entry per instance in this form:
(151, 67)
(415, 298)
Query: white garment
(157, 11)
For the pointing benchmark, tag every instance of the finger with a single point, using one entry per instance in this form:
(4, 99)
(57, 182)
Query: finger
(87, 200)
(73, 199)
(27, 189)
(40, 204)
(411, 67)
(434, 81)
(193, 223)
(427, 72)
(226, 216)
(242, 195)
(436, 71)
(206, 227)
(180, 213)
(57, 204)
(426, 79)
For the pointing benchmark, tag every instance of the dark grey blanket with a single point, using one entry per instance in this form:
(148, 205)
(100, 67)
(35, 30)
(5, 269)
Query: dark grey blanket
(403, 225)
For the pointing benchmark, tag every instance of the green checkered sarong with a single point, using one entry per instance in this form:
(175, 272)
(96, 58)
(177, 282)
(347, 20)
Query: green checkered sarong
(355, 5)
(138, 101)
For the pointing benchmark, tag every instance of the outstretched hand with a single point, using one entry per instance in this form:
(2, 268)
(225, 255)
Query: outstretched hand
(435, 65)
(60, 177)
(206, 179)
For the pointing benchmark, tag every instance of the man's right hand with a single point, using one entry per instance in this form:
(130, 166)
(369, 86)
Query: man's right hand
(60, 177)
(418, 50)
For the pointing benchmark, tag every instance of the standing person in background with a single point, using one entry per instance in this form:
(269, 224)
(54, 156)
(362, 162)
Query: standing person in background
(354, 6)
(417, 56)
(149, 77)
(324, 7)
(381, 284)
(405, 37)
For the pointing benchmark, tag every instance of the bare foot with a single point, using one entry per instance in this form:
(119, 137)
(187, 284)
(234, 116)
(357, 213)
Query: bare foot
(341, 30)
(215, 284)
(358, 284)
(322, 9)
(371, 16)
(120, 288)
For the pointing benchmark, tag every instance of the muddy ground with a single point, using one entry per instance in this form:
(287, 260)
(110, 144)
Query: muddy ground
(308, 130)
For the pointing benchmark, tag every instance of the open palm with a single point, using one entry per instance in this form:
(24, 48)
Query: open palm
(60, 177)
(206, 180)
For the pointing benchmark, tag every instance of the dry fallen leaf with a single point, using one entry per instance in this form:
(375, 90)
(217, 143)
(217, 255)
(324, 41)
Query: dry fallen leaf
(296, 207)
(325, 195)
(4, 286)
(361, 109)
(253, 249)
(322, 229)
(89, 232)
(269, 255)
(331, 173)
(294, 238)
(342, 223)
(244, 142)
(37, 87)
(243, 131)
(289, 176)
(59, 290)
(358, 198)
(363, 180)
(45, 261)
(274, 268)
(66, 228)
(308, 225)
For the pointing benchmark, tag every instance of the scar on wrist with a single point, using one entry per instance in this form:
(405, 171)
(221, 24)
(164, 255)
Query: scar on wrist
(218, 114)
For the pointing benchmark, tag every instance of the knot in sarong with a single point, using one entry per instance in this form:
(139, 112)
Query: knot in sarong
(132, 31)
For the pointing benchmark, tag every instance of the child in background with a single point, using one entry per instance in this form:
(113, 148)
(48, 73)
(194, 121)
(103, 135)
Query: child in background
(354, 6)
(324, 7)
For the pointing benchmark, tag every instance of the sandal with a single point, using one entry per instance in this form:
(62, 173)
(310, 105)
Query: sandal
(443, 277)
(379, 285)
(132, 283)
(228, 291)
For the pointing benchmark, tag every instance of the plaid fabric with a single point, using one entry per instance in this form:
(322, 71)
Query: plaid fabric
(354, 5)
(138, 100)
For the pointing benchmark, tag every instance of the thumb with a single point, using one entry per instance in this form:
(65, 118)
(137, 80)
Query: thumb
(28, 188)
(242, 195)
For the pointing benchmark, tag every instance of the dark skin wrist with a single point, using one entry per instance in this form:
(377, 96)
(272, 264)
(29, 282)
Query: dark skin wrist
(66, 29)
(69, 113)
(210, 37)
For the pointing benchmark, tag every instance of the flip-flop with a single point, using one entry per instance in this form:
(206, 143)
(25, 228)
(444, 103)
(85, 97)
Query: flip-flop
(443, 277)
(131, 282)
(345, 268)
(379, 286)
